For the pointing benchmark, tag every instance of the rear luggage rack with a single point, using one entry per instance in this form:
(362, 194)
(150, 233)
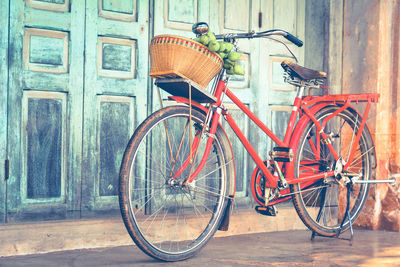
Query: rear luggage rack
(357, 98)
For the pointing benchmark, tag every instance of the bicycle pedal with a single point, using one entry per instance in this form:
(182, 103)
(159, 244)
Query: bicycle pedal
(267, 210)
(281, 154)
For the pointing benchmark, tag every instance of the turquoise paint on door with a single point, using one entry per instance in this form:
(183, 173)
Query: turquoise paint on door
(176, 17)
(4, 19)
(77, 86)
(45, 109)
(288, 15)
(238, 16)
(257, 89)
(115, 95)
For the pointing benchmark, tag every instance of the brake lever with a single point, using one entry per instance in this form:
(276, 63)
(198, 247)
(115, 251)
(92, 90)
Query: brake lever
(287, 47)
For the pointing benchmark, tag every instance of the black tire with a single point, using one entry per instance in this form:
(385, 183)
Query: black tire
(166, 220)
(322, 204)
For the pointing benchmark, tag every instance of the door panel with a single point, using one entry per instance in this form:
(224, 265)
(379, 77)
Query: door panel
(180, 14)
(285, 14)
(282, 114)
(175, 16)
(52, 5)
(115, 98)
(45, 109)
(115, 121)
(117, 58)
(44, 144)
(243, 161)
(123, 10)
(45, 50)
(288, 15)
(4, 20)
(238, 16)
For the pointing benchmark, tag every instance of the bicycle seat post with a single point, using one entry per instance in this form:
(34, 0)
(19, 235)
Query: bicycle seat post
(300, 90)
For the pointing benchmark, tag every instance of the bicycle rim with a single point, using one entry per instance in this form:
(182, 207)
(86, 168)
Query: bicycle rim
(171, 221)
(323, 208)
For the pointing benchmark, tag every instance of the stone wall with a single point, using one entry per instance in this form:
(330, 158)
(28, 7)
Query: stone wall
(371, 64)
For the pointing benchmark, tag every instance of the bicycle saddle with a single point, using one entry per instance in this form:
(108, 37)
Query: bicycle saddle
(295, 70)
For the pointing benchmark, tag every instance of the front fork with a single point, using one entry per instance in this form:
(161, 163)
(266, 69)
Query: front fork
(211, 136)
(216, 112)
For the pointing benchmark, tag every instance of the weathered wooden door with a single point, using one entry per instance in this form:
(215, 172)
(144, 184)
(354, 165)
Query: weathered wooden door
(177, 17)
(4, 20)
(77, 87)
(262, 88)
(288, 15)
(115, 96)
(45, 109)
(240, 16)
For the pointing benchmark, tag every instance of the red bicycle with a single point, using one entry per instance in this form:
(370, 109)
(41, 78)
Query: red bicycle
(177, 178)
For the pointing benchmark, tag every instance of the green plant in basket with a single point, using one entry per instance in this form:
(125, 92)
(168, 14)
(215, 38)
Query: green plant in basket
(225, 50)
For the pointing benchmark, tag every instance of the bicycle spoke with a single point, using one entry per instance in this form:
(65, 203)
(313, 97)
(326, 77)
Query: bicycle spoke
(195, 208)
(154, 215)
(352, 140)
(360, 157)
(180, 146)
(215, 170)
(205, 191)
(204, 206)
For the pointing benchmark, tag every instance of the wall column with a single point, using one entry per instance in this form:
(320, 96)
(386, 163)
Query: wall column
(335, 46)
(386, 215)
(370, 63)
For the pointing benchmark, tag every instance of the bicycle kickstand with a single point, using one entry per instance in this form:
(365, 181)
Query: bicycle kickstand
(347, 214)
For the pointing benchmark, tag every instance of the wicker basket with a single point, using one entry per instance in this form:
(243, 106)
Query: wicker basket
(175, 56)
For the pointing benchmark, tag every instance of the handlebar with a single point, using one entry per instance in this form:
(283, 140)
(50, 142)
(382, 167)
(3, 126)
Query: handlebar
(294, 39)
(250, 35)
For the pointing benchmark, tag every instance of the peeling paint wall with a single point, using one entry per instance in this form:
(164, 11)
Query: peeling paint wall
(371, 64)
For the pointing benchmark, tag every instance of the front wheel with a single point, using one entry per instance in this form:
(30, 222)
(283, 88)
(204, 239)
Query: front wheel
(321, 205)
(167, 219)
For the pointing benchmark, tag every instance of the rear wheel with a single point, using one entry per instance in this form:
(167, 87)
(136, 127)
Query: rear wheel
(321, 205)
(167, 219)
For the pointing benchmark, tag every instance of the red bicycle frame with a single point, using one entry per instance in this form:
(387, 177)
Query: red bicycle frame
(307, 106)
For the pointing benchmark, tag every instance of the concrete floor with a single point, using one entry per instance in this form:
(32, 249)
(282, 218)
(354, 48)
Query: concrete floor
(284, 248)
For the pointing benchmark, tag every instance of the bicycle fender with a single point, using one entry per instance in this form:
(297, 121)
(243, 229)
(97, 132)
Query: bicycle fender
(298, 130)
(353, 110)
(301, 124)
(224, 225)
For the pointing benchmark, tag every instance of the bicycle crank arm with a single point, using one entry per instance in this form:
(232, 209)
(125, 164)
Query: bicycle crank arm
(391, 181)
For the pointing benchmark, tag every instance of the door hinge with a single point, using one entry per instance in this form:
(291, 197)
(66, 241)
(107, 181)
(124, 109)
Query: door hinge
(259, 19)
(6, 169)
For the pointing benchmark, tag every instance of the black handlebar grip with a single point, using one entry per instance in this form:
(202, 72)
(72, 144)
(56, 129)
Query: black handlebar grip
(294, 39)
